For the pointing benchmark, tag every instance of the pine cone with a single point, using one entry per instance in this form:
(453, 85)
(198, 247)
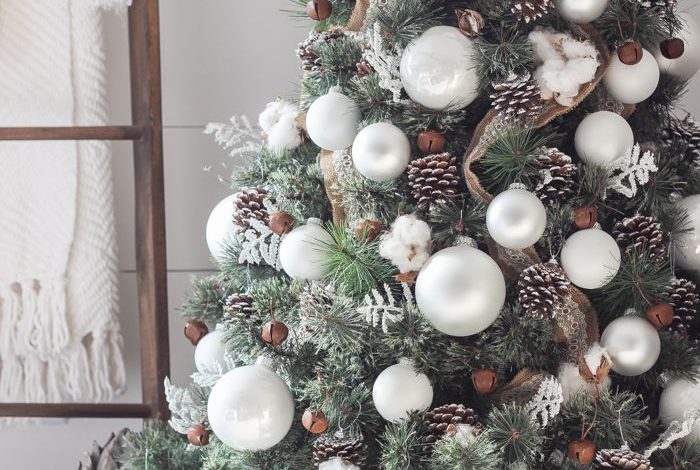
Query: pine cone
(104, 457)
(622, 459)
(433, 178)
(518, 97)
(642, 233)
(440, 418)
(310, 61)
(557, 173)
(541, 286)
(530, 10)
(238, 306)
(684, 300)
(687, 131)
(661, 4)
(350, 450)
(248, 205)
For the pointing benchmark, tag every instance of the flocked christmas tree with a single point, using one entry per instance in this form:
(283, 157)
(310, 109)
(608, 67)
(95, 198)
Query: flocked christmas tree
(470, 243)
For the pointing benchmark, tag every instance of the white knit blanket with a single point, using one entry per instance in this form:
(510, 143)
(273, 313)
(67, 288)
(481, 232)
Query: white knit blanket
(59, 335)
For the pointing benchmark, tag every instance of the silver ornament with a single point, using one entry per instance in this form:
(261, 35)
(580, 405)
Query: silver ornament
(687, 65)
(332, 121)
(581, 11)
(381, 152)
(633, 345)
(603, 137)
(516, 219)
(679, 398)
(399, 389)
(590, 258)
(687, 244)
(301, 251)
(632, 84)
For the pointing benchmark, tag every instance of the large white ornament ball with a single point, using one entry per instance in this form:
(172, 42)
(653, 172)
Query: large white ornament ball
(332, 121)
(210, 353)
(603, 137)
(460, 290)
(687, 244)
(301, 251)
(687, 65)
(381, 152)
(516, 219)
(581, 11)
(250, 408)
(220, 227)
(679, 398)
(633, 345)
(438, 69)
(399, 389)
(632, 84)
(590, 258)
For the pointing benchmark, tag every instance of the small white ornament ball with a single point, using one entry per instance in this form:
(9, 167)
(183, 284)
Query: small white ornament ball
(679, 398)
(581, 11)
(687, 244)
(632, 84)
(381, 152)
(603, 137)
(210, 354)
(516, 219)
(591, 258)
(332, 121)
(687, 65)
(438, 69)
(633, 345)
(301, 251)
(220, 227)
(460, 290)
(250, 408)
(399, 389)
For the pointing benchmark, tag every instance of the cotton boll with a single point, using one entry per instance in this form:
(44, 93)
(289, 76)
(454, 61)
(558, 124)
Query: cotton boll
(407, 245)
(285, 134)
(273, 112)
(337, 463)
(571, 380)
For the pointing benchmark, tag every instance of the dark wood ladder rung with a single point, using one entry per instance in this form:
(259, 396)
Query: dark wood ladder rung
(75, 410)
(72, 133)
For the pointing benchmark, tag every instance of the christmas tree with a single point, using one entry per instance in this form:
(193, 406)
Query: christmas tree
(470, 243)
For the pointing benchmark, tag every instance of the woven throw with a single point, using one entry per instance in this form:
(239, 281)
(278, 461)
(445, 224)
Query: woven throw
(59, 335)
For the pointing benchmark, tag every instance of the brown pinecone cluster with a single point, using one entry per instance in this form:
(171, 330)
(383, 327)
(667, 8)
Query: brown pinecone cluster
(641, 233)
(531, 10)
(685, 130)
(684, 299)
(350, 450)
(433, 178)
(541, 286)
(518, 97)
(105, 457)
(238, 306)
(439, 420)
(622, 459)
(248, 205)
(557, 173)
(307, 50)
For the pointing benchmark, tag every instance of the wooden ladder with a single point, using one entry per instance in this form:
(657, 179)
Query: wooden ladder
(151, 267)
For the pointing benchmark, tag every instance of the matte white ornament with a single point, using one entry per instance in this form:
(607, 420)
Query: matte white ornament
(590, 258)
(220, 228)
(632, 84)
(633, 345)
(460, 290)
(399, 389)
(581, 11)
(516, 219)
(438, 69)
(210, 354)
(301, 251)
(332, 121)
(680, 398)
(603, 137)
(687, 65)
(687, 244)
(250, 408)
(381, 152)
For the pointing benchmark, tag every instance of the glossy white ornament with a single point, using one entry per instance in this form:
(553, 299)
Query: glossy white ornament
(438, 69)
(687, 65)
(590, 258)
(687, 244)
(633, 345)
(632, 84)
(381, 152)
(581, 11)
(250, 408)
(220, 227)
(301, 251)
(460, 290)
(679, 398)
(399, 389)
(210, 354)
(332, 121)
(603, 137)
(516, 219)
